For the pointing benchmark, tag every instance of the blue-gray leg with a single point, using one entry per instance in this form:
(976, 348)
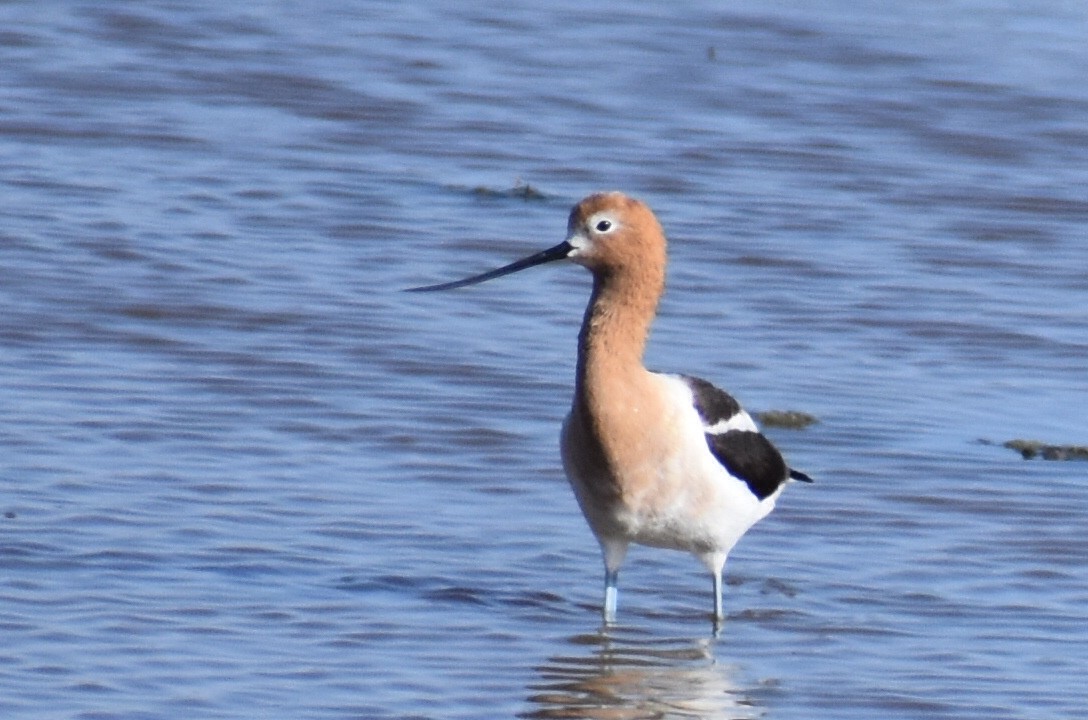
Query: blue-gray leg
(718, 615)
(610, 595)
(614, 551)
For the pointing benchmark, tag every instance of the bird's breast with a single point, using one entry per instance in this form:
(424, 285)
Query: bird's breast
(646, 474)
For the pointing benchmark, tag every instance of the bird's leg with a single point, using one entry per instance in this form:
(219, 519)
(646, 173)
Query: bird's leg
(614, 552)
(717, 596)
(610, 595)
(718, 615)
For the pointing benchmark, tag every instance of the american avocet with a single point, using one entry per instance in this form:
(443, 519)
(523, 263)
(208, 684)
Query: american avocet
(669, 461)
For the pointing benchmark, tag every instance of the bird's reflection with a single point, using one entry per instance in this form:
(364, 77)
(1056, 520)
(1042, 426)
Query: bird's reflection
(623, 674)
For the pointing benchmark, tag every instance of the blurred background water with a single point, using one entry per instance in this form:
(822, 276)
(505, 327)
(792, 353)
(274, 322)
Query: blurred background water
(241, 475)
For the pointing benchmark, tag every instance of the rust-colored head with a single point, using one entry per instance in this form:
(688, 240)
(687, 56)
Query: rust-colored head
(612, 233)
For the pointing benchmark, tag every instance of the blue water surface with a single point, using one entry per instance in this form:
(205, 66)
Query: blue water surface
(243, 475)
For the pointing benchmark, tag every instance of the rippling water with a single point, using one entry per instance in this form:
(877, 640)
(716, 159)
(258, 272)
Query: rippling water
(242, 476)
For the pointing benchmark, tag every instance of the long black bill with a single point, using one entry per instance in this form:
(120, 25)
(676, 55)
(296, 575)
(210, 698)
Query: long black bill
(559, 252)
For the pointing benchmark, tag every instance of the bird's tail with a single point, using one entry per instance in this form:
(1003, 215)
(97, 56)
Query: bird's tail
(798, 475)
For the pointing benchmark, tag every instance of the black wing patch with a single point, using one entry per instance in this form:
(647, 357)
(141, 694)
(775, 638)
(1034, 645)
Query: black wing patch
(752, 458)
(712, 403)
(746, 454)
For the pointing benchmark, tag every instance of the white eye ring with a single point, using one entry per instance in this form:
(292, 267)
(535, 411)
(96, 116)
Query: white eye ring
(603, 225)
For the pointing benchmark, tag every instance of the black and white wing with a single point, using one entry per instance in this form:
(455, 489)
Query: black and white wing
(735, 440)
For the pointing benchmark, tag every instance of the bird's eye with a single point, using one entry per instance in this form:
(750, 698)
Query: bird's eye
(603, 225)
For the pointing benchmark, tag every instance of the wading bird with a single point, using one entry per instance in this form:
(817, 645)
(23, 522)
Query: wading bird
(668, 461)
